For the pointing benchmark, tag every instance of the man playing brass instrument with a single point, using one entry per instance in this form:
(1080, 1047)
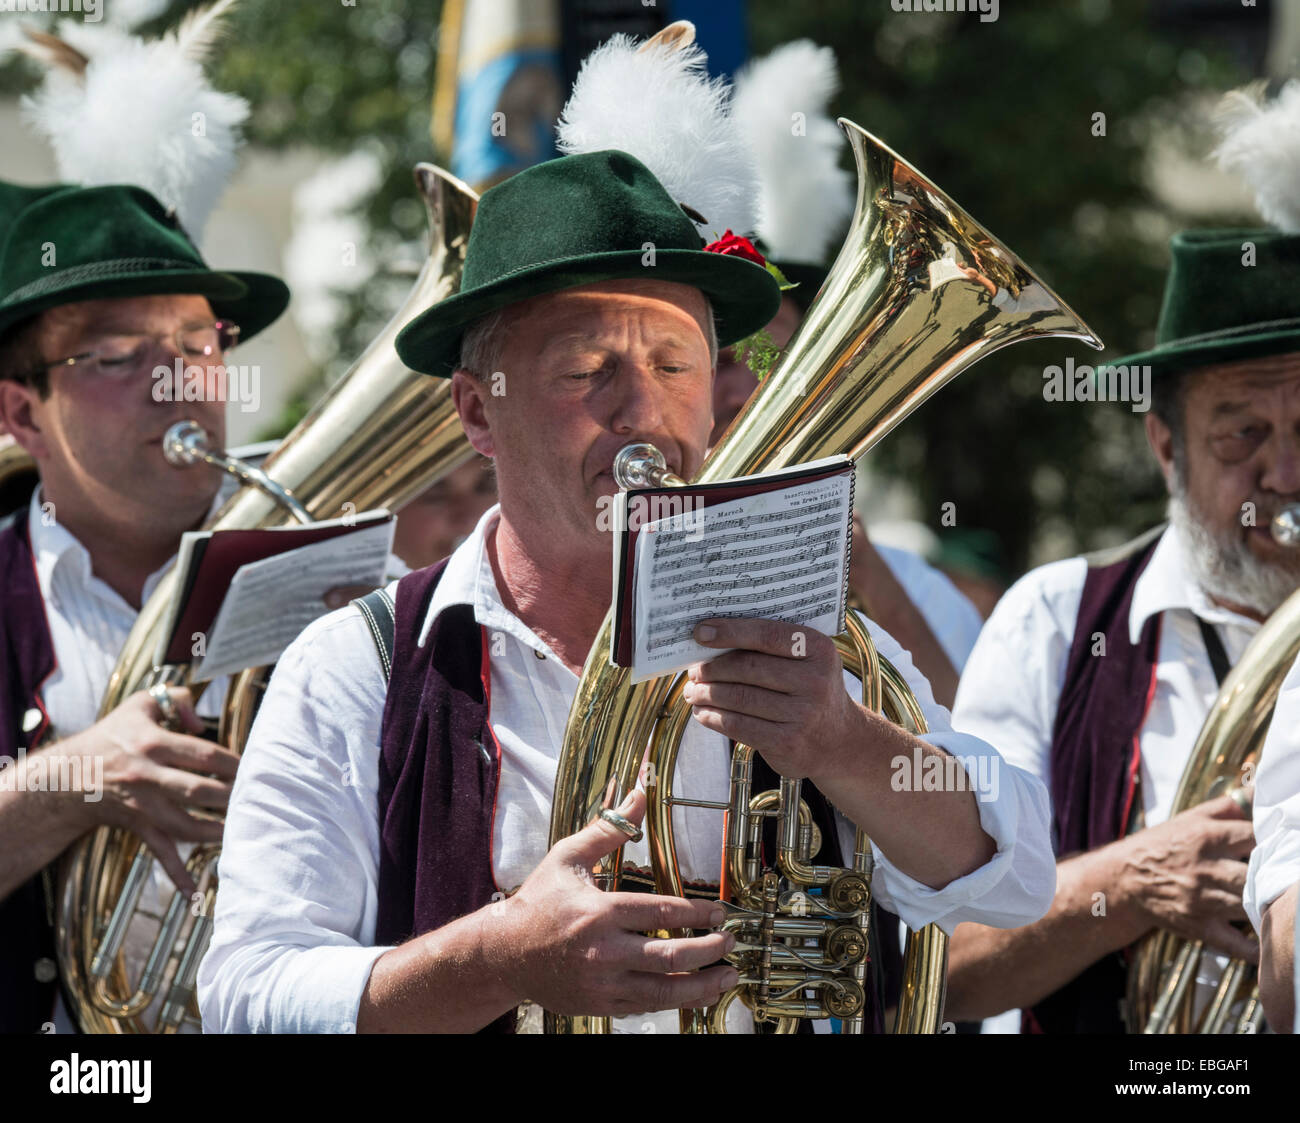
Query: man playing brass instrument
(78, 341)
(385, 864)
(1097, 673)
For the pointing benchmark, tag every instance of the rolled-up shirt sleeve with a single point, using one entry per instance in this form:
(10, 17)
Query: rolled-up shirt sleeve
(1015, 887)
(297, 899)
(1275, 861)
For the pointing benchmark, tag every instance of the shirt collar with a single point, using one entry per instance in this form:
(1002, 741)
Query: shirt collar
(56, 549)
(54, 546)
(1167, 583)
(469, 579)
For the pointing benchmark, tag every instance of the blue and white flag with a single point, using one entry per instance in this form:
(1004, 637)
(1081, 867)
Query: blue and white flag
(508, 85)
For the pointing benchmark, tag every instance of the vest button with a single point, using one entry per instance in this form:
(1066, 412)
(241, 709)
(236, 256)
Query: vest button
(32, 719)
(539, 654)
(46, 971)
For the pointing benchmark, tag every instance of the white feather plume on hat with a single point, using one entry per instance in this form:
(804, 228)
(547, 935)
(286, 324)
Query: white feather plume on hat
(656, 102)
(1261, 143)
(805, 197)
(119, 109)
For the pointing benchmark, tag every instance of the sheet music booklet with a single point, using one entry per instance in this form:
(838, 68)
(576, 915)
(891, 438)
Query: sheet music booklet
(248, 593)
(774, 546)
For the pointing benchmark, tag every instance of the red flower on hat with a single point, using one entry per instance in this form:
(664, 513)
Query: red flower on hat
(733, 245)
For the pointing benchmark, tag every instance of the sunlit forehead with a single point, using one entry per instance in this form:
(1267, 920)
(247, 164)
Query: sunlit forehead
(131, 316)
(619, 314)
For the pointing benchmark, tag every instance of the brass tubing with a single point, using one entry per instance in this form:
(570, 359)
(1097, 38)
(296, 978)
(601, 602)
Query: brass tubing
(1176, 987)
(1219, 1011)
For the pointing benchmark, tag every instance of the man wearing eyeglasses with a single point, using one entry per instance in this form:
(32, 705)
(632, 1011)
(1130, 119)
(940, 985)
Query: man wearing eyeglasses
(99, 288)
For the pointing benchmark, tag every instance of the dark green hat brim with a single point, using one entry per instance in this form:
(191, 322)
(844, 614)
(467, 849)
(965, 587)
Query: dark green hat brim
(251, 300)
(115, 241)
(1255, 341)
(1219, 308)
(742, 294)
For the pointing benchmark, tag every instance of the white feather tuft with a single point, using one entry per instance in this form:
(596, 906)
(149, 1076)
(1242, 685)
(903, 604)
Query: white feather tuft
(144, 114)
(659, 105)
(1261, 143)
(805, 197)
(202, 29)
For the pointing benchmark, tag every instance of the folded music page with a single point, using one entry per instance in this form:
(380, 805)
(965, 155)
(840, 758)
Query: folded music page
(774, 547)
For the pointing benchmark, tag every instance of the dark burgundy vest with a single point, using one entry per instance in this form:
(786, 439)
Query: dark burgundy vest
(26, 660)
(438, 769)
(1095, 760)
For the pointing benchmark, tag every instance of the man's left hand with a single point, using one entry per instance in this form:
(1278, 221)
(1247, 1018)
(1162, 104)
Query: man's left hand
(781, 690)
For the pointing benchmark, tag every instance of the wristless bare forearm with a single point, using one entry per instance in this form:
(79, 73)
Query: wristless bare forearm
(35, 827)
(993, 969)
(442, 982)
(933, 836)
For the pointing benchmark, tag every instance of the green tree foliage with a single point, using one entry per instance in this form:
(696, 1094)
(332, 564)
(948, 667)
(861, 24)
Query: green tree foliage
(1000, 115)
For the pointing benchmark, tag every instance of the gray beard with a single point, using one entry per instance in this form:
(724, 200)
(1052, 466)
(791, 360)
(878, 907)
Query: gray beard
(1223, 566)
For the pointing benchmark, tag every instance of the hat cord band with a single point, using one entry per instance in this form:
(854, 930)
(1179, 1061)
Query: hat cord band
(1228, 333)
(576, 260)
(64, 278)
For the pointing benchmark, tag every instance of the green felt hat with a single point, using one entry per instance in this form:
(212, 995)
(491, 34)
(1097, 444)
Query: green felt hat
(101, 243)
(1219, 308)
(575, 221)
(16, 198)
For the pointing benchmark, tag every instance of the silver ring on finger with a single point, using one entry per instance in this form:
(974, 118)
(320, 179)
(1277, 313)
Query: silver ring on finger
(628, 827)
(166, 707)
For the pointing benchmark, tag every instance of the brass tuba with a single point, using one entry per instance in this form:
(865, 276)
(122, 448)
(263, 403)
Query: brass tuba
(1162, 976)
(918, 293)
(379, 437)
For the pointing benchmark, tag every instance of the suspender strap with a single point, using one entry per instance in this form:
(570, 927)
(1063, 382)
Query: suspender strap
(381, 618)
(1214, 649)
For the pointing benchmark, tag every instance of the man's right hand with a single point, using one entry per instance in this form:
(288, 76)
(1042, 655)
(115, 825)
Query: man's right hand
(1187, 875)
(153, 777)
(563, 943)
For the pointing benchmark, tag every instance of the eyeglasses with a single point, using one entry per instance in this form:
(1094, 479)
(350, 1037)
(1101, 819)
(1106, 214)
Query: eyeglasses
(124, 353)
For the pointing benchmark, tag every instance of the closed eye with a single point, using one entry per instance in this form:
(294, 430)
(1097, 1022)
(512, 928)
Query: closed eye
(119, 360)
(121, 355)
(1239, 443)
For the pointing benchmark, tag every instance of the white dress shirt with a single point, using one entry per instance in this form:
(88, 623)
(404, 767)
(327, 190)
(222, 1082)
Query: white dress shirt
(294, 937)
(1275, 861)
(89, 622)
(1009, 691)
(88, 619)
(954, 621)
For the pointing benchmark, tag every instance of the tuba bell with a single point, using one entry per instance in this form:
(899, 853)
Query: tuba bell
(379, 437)
(1162, 976)
(918, 293)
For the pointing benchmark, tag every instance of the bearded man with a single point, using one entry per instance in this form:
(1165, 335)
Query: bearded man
(1096, 673)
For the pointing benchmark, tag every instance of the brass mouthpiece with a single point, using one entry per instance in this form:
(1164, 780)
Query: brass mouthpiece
(1285, 526)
